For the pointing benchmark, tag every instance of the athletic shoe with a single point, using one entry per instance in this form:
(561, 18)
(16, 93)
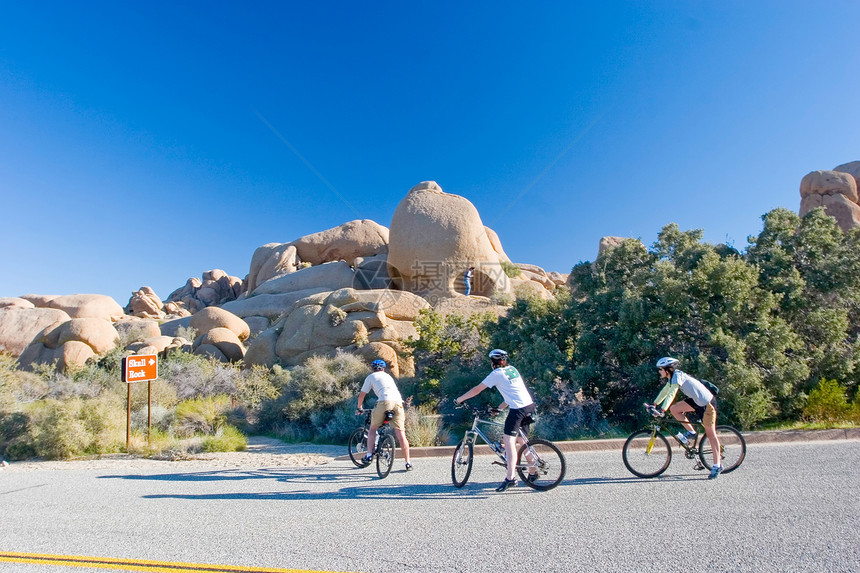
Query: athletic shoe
(532, 478)
(408, 467)
(715, 471)
(367, 458)
(507, 484)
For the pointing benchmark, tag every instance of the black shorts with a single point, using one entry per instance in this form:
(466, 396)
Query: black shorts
(518, 418)
(700, 410)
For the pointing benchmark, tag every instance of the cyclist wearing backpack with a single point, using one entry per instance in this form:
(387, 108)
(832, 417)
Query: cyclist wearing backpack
(700, 400)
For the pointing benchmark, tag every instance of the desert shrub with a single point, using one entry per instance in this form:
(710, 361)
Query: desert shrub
(336, 425)
(254, 386)
(226, 439)
(315, 399)
(57, 429)
(827, 402)
(189, 333)
(193, 376)
(423, 426)
(205, 415)
(162, 418)
(512, 270)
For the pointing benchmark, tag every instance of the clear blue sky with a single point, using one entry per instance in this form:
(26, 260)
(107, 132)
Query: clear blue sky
(142, 143)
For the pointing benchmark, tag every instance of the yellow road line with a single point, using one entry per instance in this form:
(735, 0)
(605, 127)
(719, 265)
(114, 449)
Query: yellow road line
(136, 564)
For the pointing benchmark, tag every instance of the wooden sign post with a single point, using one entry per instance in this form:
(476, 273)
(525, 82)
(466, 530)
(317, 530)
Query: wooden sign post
(139, 368)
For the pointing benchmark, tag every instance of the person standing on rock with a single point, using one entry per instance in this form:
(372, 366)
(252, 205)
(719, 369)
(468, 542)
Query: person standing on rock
(387, 399)
(467, 280)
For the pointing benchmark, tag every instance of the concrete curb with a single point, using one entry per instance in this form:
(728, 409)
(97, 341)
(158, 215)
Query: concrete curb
(762, 437)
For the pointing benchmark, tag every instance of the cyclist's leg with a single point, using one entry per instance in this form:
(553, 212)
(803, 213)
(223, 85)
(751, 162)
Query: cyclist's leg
(399, 425)
(371, 439)
(709, 420)
(679, 411)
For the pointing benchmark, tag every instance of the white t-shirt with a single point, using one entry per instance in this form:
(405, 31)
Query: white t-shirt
(688, 385)
(383, 386)
(511, 385)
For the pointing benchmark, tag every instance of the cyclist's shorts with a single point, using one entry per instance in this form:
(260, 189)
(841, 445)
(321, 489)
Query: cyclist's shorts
(378, 414)
(517, 418)
(708, 414)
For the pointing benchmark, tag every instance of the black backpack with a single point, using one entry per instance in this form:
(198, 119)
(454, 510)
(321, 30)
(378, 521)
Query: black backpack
(710, 386)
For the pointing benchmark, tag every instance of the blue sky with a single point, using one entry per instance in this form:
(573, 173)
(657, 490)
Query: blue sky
(144, 143)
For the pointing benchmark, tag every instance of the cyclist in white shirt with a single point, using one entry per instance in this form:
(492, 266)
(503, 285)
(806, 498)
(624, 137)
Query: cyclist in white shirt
(699, 399)
(509, 382)
(387, 398)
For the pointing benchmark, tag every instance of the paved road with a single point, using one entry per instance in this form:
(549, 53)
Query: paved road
(790, 507)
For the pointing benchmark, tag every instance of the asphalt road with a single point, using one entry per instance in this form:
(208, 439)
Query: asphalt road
(789, 507)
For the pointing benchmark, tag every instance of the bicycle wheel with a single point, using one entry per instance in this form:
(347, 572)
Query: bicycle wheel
(646, 454)
(358, 447)
(461, 464)
(385, 456)
(732, 445)
(548, 461)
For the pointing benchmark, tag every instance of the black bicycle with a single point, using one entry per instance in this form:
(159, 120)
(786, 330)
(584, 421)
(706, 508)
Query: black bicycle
(540, 458)
(647, 453)
(385, 445)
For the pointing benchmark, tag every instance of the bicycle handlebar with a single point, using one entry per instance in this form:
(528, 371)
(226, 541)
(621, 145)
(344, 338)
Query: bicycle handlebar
(654, 411)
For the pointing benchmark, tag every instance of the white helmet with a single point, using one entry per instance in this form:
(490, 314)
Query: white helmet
(666, 362)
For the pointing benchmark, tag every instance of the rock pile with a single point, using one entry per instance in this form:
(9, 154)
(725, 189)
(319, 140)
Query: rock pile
(834, 190)
(357, 287)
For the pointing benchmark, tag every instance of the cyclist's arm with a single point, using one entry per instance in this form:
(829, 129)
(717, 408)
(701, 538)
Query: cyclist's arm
(666, 395)
(471, 393)
(361, 396)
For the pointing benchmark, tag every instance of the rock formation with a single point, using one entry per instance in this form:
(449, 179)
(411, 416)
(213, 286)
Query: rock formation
(372, 323)
(435, 236)
(144, 303)
(71, 342)
(836, 191)
(216, 288)
(347, 242)
(21, 322)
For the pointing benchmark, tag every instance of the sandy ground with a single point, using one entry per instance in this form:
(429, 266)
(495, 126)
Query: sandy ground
(261, 452)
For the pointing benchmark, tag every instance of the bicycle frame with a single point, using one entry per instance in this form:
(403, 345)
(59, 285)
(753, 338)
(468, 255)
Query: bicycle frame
(475, 431)
(690, 448)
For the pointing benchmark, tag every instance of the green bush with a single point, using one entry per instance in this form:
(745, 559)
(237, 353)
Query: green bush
(206, 415)
(827, 402)
(226, 439)
(512, 270)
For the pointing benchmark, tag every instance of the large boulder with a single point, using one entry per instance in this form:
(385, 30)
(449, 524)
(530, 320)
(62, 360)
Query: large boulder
(81, 305)
(224, 340)
(359, 238)
(349, 319)
(269, 261)
(853, 169)
(348, 242)
(434, 238)
(70, 343)
(19, 325)
(214, 317)
(144, 303)
(15, 302)
(836, 191)
(329, 276)
(268, 305)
